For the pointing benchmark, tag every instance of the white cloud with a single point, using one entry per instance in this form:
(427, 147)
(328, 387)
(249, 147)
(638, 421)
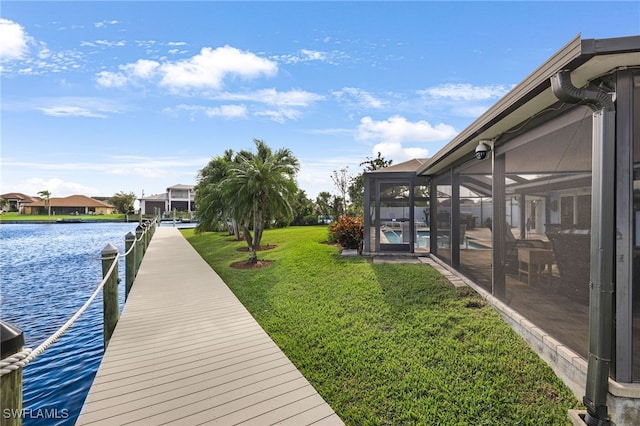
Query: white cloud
(103, 24)
(70, 111)
(210, 67)
(108, 43)
(76, 107)
(358, 97)
(228, 111)
(466, 92)
(142, 68)
(398, 129)
(204, 71)
(307, 55)
(111, 79)
(286, 104)
(393, 133)
(280, 115)
(273, 97)
(13, 41)
(396, 152)
(57, 187)
(280, 106)
(288, 98)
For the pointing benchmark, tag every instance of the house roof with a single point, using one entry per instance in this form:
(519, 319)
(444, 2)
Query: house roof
(407, 166)
(71, 201)
(180, 186)
(586, 59)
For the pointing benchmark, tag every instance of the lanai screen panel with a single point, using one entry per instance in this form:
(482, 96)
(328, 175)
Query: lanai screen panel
(636, 238)
(442, 221)
(547, 181)
(475, 219)
(395, 214)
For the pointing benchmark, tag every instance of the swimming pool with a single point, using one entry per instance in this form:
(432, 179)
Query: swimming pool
(395, 237)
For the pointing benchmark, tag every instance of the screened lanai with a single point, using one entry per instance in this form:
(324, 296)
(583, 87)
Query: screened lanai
(527, 224)
(397, 206)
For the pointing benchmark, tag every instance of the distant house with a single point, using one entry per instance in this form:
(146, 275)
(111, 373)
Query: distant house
(178, 197)
(15, 201)
(73, 204)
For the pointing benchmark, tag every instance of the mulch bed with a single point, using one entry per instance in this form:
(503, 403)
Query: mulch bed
(261, 248)
(246, 265)
(259, 264)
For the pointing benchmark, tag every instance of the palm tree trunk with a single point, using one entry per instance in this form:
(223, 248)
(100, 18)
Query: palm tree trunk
(236, 229)
(253, 255)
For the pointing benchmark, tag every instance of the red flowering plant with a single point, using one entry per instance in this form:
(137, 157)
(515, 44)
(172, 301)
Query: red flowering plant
(348, 231)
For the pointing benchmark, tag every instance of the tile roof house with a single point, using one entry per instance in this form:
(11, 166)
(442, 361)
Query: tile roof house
(73, 204)
(16, 200)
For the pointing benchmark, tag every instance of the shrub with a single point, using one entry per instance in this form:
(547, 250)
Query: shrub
(348, 231)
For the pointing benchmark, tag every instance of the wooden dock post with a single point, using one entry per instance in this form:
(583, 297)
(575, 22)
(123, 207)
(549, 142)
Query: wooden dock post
(130, 263)
(147, 234)
(143, 227)
(139, 244)
(11, 384)
(110, 292)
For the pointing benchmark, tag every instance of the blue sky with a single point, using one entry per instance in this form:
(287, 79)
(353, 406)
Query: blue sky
(102, 97)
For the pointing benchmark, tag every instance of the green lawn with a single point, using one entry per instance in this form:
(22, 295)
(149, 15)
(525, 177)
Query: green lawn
(389, 344)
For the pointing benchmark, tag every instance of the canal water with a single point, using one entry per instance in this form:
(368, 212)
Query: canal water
(47, 272)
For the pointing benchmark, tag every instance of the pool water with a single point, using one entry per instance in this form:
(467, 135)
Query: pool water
(395, 237)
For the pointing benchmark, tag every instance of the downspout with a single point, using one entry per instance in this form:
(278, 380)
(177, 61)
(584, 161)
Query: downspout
(601, 276)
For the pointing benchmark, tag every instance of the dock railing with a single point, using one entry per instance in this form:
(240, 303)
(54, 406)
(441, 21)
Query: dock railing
(15, 357)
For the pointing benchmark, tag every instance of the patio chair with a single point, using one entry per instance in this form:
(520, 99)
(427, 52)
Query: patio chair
(572, 251)
(512, 244)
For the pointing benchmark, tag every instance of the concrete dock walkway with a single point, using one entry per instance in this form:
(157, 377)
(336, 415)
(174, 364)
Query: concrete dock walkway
(187, 352)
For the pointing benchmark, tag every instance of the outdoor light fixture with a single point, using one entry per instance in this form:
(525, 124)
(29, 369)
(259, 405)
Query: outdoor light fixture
(484, 146)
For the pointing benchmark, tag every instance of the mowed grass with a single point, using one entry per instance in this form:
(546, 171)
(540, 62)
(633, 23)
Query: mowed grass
(389, 344)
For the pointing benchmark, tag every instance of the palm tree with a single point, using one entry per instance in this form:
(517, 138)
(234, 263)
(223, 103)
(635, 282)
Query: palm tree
(46, 196)
(211, 211)
(259, 188)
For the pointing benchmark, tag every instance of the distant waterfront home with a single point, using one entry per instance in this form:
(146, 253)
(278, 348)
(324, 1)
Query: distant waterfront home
(73, 204)
(15, 201)
(178, 197)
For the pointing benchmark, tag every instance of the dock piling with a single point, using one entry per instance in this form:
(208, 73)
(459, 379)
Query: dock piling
(12, 340)
(139, 246)
(130, 262)
(110, 291)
